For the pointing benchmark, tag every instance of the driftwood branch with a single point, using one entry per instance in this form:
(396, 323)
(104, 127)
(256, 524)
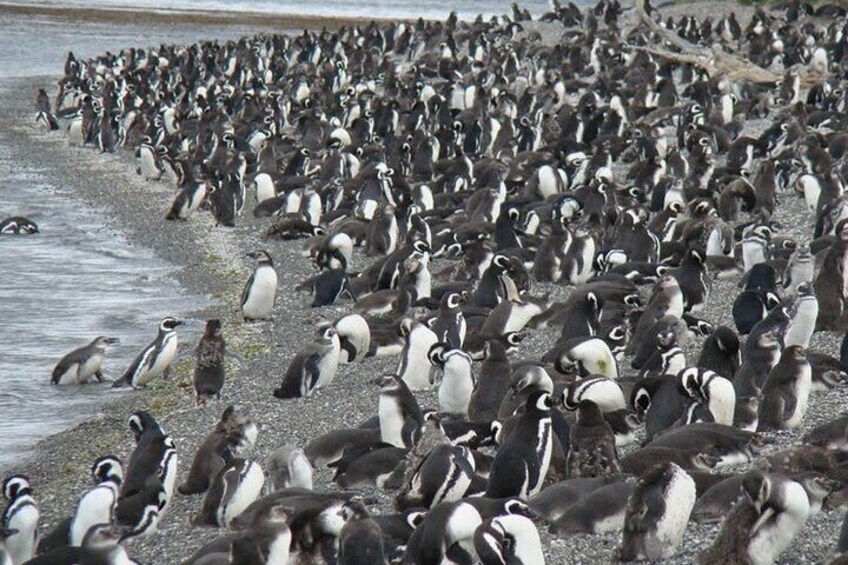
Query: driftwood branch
(715, 61)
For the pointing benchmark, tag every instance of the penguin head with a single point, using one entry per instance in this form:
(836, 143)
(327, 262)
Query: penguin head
(102, 536)
(437, 352)
(141, 422)
(589, 413)
(107, 467)
(795, 353)
(213, 328)
(518, 507)
(453, 300)
(494, 349)
(513, 339)
(414, 516)
(528, 377)
(756, 486)
(641, 400)
(169, 324)
(691, 382)
(15, 486)
(327, 335)
(102, 342)
(261, 256)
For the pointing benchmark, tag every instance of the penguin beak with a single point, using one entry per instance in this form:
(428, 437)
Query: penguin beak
(179, 323)
(112, 340)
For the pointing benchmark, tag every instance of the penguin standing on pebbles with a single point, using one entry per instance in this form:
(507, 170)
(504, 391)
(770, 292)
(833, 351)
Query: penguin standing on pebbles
(260, 292)
(450, 326)
(521, 464)
(20, 519)
(803, 322)
(457, 382)
(155, 359)
(209, 373)
(78, 366)
(235, 487)
(657, 514)
(97, 506)
(314, 367)
(786, 393)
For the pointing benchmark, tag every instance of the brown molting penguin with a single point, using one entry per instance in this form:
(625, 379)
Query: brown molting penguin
(234, 430)
(209, 373)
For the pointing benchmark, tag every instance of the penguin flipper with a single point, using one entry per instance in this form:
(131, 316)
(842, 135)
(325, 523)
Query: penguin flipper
(246, 293)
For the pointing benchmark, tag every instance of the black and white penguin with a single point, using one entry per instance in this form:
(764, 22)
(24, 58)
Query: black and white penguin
(444, 475)
(78, 366)
(154, 459)
(260, 292)
(659, 401)
(585, 356)
(450, 325)
(522, 462)
(762, 524)
(510, 539)
(97, 506)
(657, 514)
(288, 467)
(445, 525)
(786, 392)
(457, 380)
(187, 201)
(326, 287)
(604, 392)
(759, 297)
(209, 372)
(235, 487)
(695, 282)
(712, 390)
(139, 513)
(761, 352)
(601, 511)
(398, 412)
(20, 519)
(414, 365)
(18, 225)
(155, 359)
(360, 540)
(592, 452)
(101, 546)
(314, 367)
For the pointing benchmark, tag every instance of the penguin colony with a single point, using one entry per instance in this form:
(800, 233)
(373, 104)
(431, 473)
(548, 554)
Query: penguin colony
(437, 172)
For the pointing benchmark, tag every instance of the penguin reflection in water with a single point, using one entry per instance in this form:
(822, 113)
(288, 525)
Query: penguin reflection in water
(155, 359)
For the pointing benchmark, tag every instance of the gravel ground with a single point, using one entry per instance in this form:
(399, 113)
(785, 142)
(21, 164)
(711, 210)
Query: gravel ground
(213, 264)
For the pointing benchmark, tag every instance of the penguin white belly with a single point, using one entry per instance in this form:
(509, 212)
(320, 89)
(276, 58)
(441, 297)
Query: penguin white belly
(170, 480)
(71, 376)
(249, 489)
(75, 134)
(278, 550)
(544, 441)
(327, 366)
(611, 523)
(194, 202)
(680, 498)
(462, 524)
(21, 545)
(548, 181)
(391, 421)
(414, 367)
(264, 187)
(802, 325)
(95, 507)
(803, 386)
(722, 403)
(262, 293)
(90, 367)
(607, 395)
(300, 471)
(455, 393)
(149, 170)
(771, 537)
(163, 360)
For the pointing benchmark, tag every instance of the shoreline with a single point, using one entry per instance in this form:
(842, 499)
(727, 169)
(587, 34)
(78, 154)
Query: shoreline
(132, 16)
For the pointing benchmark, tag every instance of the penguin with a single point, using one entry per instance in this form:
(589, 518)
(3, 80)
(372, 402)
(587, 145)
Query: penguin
(592, 452)
(154, 458)
(97, 506)
(728, 444)
(666, 300)
(493, 383)
(457, 382)
(660, 401)
(187, 201)
(288, 467)
(799, 269)
(584, 355)
(601, 511)
(604, 392)
(235, 487)
(510, 539)
(832, 435)
(78, 366)
(830, 283)
(314, 367)
(20, 519)
(326, 287)
(657, 514)
(720, 353)
(360, 539)
(235, 430)
(521, 464)
(155, 359)
(759, 297)
(444, 475)
(445, 525)
(18, 225)
(260, 292)
(786, 392)
(713, 390)
(450, 325)
(139, 513)
(398, 412)
(209, 372)
(761, 352)
(101, 545)
(762, 524)
(803, 322)
(414, 365)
